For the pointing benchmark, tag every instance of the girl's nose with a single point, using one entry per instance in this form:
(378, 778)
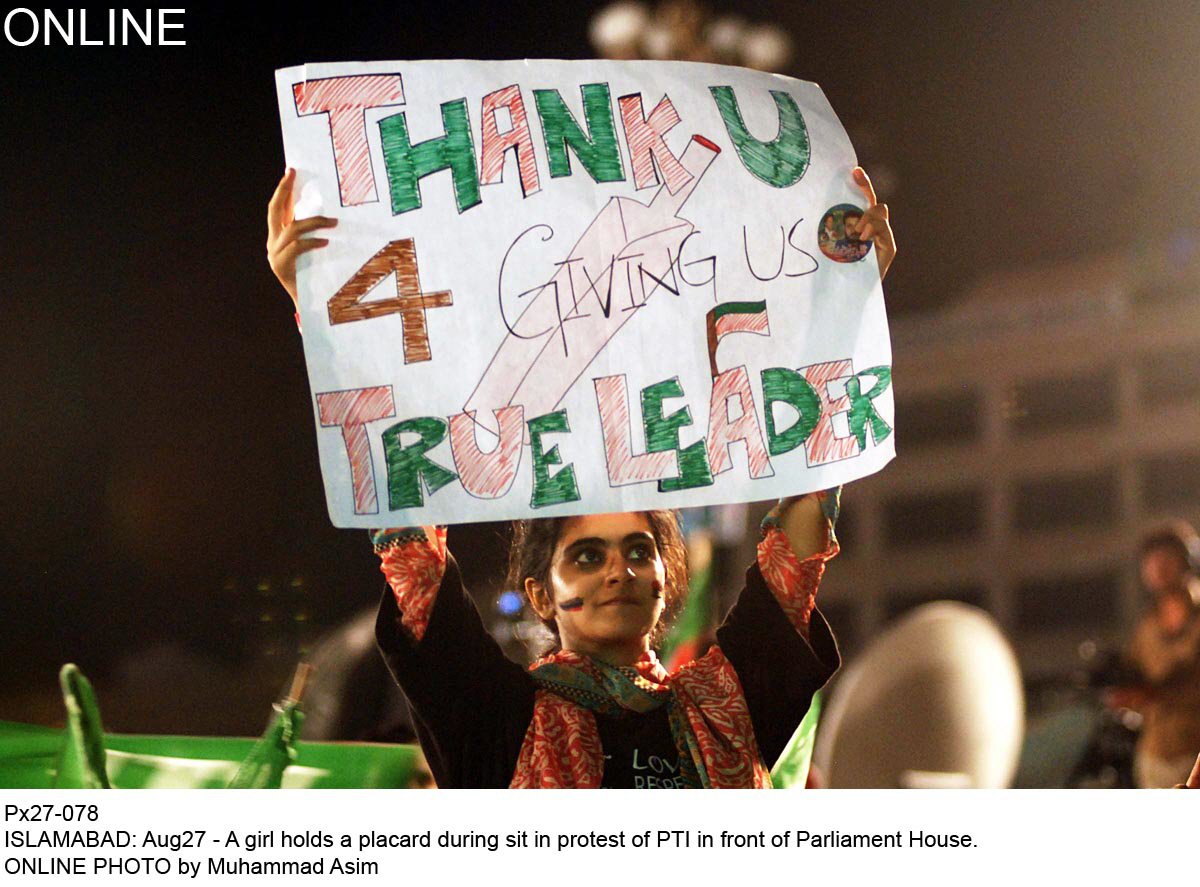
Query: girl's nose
(620, 572)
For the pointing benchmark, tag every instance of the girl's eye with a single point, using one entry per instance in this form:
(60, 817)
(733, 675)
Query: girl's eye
(588, 557)
(641, 552)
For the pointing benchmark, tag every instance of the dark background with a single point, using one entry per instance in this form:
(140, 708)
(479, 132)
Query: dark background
(163, 521)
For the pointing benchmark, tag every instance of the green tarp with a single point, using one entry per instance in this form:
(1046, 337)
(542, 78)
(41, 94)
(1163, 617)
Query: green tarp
(82, 756)
(29, 759)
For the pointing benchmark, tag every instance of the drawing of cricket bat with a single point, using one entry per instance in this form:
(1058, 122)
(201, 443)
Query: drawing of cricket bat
(609, 274)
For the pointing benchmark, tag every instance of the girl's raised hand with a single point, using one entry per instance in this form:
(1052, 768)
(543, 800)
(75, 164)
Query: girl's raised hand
(874, 225)
(285, 236)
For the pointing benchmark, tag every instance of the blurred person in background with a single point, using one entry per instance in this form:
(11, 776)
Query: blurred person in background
(1165, 654)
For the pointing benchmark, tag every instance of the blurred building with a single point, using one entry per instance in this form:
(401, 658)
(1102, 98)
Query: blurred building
(1043, 423)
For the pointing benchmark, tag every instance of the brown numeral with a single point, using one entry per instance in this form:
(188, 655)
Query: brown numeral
(398, 257)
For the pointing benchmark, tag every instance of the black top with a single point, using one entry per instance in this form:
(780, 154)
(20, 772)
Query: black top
(471, 705)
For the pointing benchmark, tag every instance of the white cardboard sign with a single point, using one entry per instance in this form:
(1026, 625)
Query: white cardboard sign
(573, 287)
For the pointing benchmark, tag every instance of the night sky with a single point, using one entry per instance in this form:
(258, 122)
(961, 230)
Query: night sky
(157, 458)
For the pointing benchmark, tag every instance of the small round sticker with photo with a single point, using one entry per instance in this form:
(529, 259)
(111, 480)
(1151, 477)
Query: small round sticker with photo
(837, 233)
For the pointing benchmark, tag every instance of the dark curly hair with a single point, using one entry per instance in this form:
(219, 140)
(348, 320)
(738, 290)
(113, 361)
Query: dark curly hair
(532, 551)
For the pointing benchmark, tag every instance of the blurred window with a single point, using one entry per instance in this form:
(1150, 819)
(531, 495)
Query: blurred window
(1161, 294)
(900, 601)
(1061, 601)
(1171, 377)
(1080, 400)
(942, 417)
(933, 517)
(1089, 499)
(1171, 481)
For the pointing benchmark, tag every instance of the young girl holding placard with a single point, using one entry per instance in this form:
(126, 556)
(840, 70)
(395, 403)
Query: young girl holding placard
(601, 711)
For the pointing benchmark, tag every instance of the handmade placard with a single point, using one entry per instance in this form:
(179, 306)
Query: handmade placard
(572, 287)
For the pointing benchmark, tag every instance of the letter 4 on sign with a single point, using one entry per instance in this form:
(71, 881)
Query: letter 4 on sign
(400, 258)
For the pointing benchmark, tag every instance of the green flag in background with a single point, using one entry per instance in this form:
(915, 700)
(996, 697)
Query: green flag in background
(791, 770)
(81, 762)
(271, 755)
(694, 625)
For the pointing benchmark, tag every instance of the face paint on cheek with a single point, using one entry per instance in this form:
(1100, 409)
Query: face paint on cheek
(573, 603)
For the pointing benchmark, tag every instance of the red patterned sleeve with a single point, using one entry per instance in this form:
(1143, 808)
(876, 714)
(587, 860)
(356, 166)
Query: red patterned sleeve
(792, 581)
(413, 560)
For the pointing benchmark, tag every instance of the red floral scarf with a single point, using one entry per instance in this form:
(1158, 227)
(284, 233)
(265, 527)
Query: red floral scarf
(709, 719)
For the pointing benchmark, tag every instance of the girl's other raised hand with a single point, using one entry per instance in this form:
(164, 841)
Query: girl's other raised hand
(285, 235)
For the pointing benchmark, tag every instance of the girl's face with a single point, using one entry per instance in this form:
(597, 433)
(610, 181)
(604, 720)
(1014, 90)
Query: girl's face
(606, 586)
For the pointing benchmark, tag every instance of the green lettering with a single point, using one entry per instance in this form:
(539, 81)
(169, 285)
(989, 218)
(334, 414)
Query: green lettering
(597, 149)
(862, 408)
(790, 387)
(407, 164)
(662, 434)
(408, 466)
(781, 162)
(561, 487)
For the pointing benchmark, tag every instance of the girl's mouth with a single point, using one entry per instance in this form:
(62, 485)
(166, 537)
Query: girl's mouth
(626, 599)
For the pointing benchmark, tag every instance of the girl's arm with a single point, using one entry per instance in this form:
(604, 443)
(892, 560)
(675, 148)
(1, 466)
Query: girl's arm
(798, 539)
(413, 560)
(470, 704)
(779, 645)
